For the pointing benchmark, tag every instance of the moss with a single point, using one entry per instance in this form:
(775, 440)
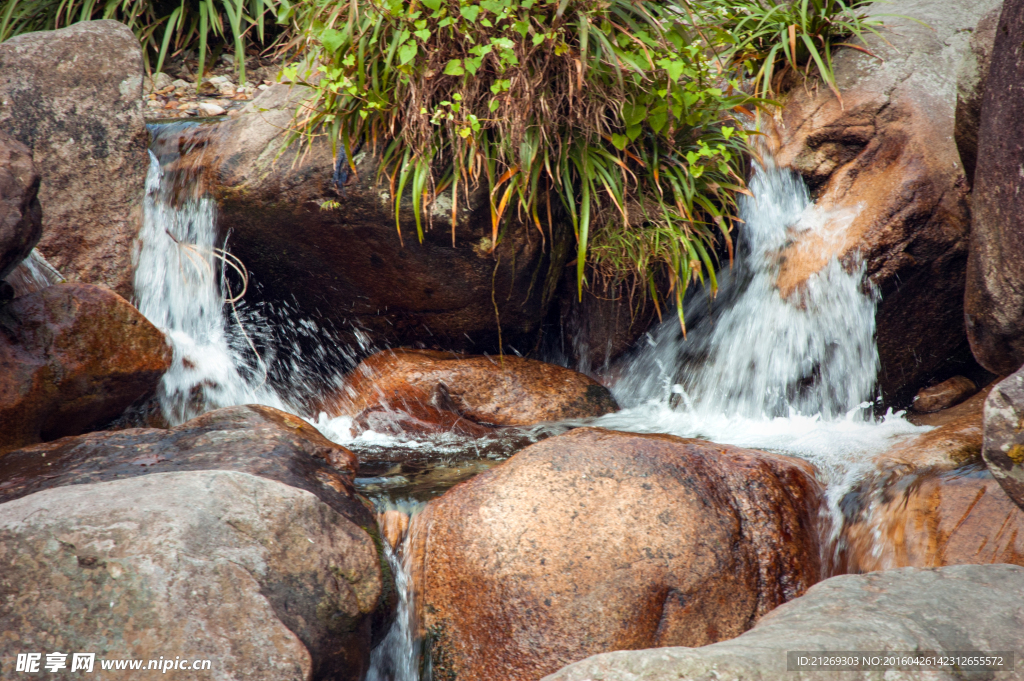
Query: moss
(438, 658)
(1016, 454)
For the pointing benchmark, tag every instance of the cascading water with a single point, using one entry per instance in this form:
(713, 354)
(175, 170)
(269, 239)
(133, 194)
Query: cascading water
(794, 374)
(188, 284)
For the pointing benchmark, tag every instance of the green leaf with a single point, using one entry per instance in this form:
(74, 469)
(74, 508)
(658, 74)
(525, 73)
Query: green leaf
(472, 64)
(422, 34)
(620, 141)
(657, 119)
(331, 39)
(432, 5)
(633, 131)
(470, 12)
(407, 52)
(454, 68)
(633, 114)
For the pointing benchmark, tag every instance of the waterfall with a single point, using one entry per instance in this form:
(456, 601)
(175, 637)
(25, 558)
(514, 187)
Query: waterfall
(32, 274)
(226, 351)
(397, 657)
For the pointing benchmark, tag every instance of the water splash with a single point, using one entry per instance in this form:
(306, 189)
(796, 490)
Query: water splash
(226, 352)
(32, 274)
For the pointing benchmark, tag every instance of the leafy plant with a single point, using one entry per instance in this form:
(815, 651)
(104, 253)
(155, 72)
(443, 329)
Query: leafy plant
(764, 35)
(162, 27)
(614, 107)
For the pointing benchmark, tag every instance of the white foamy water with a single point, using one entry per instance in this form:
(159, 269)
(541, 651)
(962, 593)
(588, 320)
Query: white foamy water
(225, 352)
(794, 375)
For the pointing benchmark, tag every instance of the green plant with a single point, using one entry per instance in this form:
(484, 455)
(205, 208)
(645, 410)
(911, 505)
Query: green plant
(800, 35)
(632, 113)
(162, 27)
(614, 107)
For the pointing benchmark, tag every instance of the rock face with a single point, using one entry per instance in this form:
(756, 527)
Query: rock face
(74, 97)
(949, 393)
(72, 357)
(967, 607)
(337, 250)
(454, 391)
(994, 302)
(263, 579)
(242, 524)
(598, 540)
(970, 89)
(887, 175)
(930, 519)
(20, 215)
(1004, 443)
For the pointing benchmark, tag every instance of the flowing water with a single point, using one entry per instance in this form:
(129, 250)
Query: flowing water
(793, 375)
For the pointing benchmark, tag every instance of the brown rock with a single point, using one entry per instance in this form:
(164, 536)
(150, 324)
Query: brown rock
(932, 518)
(970, 89)
(994, 301)
(265, 580)
(1004, 441)
(598, 540)
(20, 216)
(887, 175)
(337, 250)
(74, 97)
(72, 357)
(493, 391)
(393, 526)
(949, 393)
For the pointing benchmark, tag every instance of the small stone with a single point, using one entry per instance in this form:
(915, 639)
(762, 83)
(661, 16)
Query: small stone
(262, 86)
(209, 109)
(947, 394)
(183, 85)
(154, 104)
(171, 105)
(183, 107)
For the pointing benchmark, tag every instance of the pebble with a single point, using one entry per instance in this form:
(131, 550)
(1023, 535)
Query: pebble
(210, 109)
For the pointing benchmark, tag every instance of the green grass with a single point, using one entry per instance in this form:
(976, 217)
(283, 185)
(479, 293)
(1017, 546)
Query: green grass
(164, 28)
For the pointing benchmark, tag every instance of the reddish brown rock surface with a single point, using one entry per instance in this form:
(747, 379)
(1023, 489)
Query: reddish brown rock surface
(931, 518)
(949, 393)
(74, 97)
(994, 303)
(886, 171)
(598, 540)
(346, 261)
(72, 357)
(20, 216)
(449, 391)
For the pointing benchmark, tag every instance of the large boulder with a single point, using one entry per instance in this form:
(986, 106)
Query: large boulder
(332, 244)
(962, 608)
(450, 391)
(598, 540)
(994, 301)
(73, 357)
(884, 168)
(74, 97)
(970, 89)
(20, 216)
(242, 524)
(1003, 449)
(264, 580)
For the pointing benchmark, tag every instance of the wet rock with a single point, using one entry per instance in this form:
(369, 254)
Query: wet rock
(20, 215)
(598, 540)
(956, 439)
(602, 325)
(74, 97)
(449, 391)
(970, 89)
(967, 607)
(890, 187)
(325, 234)
(72, 357)
(1004, 441)
(393, 526)
(931, 518)
(994, 301)
(265, 580)
(949, 393)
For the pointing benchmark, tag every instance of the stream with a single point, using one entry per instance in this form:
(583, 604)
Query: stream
(793, 376)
